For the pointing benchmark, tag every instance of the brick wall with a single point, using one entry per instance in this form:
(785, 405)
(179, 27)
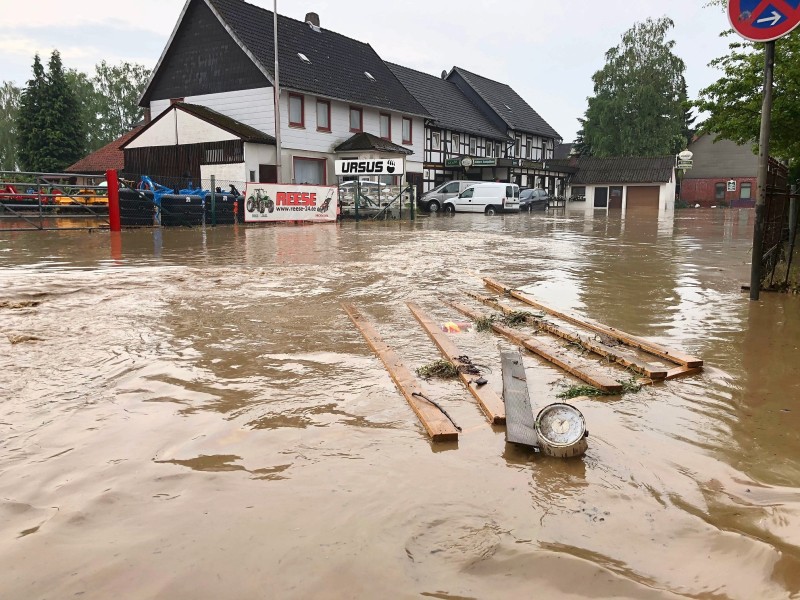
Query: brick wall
(702, 192)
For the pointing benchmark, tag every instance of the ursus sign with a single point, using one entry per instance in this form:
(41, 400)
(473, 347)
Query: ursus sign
(381, 166)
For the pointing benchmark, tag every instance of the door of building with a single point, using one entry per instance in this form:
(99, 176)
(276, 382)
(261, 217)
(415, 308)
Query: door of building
(615, 197)
(600, 197)
(645, 196)
(267, 174)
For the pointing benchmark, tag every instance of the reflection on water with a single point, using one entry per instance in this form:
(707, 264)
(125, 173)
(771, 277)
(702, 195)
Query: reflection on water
(191, 415)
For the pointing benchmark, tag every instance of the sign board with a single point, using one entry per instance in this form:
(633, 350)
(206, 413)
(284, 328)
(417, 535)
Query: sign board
(732, 185)
(272, 202)
(468, 162)
(763, 21)
(685, 164)
(380, 166)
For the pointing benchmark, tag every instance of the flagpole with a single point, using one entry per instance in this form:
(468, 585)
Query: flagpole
(277, 95)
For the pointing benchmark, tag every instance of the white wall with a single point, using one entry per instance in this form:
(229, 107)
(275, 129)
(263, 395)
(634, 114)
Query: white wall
(192, 130)
(257, 154)
(161, 133)
(252, 107)
(225, 174)
(666, 196)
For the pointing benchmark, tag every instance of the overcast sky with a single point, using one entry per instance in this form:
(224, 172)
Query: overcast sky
(546, 51)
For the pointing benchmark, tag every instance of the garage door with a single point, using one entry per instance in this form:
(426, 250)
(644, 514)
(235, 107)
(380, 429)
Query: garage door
(643, 196)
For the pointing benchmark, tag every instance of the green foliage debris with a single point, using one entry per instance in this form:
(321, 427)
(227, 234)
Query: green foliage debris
(441, 369)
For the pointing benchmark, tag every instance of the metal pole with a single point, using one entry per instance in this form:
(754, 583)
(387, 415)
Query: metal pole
(277, 94)
(112, 183)
(413, 200)
(213, 201)
(763, 163)
(358, 196)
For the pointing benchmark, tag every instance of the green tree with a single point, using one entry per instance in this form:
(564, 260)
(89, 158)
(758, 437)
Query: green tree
(88, 100)
(9, 107)
(119, 88)
(733, 102)
(31, 123)
(65, 139)
(640, 101)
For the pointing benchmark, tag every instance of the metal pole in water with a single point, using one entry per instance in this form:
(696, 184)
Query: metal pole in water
(763, 163)
(413, 201)
(213, 201)
(277, 93)
(112, 183)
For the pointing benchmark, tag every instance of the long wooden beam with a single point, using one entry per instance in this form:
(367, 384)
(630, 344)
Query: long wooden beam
(549, 352)
(674, 356)
(608, 352)
(491, 404)
(438, 426)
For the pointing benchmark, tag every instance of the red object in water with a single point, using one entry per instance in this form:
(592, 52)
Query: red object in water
(113, 200)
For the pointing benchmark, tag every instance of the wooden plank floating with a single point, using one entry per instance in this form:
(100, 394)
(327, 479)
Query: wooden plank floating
(487, 398)
(674, 356)
(438, 426)
(683, 372)
(520, 422)
(548, 351)
(609, 352)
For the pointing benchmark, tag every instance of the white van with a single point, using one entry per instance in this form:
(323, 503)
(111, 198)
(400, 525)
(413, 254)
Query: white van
(489, 198)
(434, 200)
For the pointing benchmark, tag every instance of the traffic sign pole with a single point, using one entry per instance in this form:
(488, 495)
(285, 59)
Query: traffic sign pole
(763, 163)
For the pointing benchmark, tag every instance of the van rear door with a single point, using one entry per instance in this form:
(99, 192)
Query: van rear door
(512, 197)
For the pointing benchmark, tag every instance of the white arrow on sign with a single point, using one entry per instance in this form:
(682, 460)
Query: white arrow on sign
(776, 16)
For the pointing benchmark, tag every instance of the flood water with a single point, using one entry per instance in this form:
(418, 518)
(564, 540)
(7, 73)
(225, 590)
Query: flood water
(190, 414)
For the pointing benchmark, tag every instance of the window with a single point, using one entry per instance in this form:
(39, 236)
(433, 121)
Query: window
(323, 115)
(297, 116)
(304, 58)
(309, 170)
(518, 148)
(252, 176)
(489, 149)
(456, 144)
(369, 75)
(406, 130)
(747, 189)
(498, 150)
(529, 147)
(356, 120)
(451, 188)
(467, 193)
(719, 190)
(436, 138)
(473, 146)
(386, 126)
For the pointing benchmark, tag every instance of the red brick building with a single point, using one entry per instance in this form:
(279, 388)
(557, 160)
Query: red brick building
(724, 174)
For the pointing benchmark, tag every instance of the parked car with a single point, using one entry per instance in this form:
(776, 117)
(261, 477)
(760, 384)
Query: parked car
(533, 199)
(435, 199)
(488, 198)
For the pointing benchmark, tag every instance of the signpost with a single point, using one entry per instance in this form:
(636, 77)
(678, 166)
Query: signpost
(763, 21)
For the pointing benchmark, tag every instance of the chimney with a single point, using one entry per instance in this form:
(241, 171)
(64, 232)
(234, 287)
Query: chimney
(147, 115)
(312, 19)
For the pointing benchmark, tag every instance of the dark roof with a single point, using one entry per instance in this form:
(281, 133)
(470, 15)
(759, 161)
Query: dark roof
(237, 128)
(367, 141)
(338, 63)
(108, 157)
(562, 151)
(501, 98)
(446, 103)
(593, 170)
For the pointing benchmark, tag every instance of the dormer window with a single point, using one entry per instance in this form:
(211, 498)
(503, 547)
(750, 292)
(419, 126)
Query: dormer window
(369, 75)
(304, 58)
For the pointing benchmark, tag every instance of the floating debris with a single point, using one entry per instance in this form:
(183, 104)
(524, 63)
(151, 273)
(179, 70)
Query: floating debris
(19, 338)
(20, 304)
(441, 369)
(629, 386)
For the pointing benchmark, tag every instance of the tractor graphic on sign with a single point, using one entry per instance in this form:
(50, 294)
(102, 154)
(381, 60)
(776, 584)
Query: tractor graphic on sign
(259, 201)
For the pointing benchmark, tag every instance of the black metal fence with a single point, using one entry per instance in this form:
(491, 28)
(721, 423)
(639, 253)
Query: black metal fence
(780, 229)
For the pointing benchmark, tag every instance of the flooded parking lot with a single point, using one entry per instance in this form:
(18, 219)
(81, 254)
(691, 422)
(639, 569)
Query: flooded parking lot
(190, 414)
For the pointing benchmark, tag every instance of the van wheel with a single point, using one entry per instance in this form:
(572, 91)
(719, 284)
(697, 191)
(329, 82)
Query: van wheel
(449, 209)
(491, 211)
(433, 206)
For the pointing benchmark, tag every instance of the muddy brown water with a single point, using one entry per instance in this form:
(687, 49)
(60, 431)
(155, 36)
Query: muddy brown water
(190, 414)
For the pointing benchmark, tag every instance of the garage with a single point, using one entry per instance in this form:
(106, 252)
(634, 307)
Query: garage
(645, 196)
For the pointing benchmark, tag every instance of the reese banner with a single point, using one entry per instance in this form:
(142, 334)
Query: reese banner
(266, 202)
